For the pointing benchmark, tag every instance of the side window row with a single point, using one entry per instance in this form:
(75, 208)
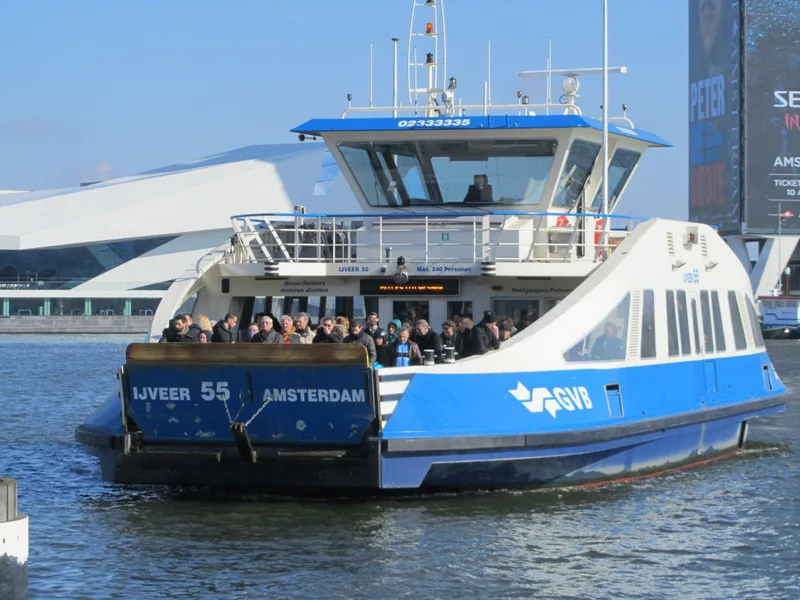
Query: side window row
(609, 339)
(713, 332)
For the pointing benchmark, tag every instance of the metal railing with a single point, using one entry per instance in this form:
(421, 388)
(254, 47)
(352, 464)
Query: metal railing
(468, 237)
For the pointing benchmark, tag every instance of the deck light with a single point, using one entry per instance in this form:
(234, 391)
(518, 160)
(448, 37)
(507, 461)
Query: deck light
(452, 82)
(429, 28)
(570, 85)
(429, 58)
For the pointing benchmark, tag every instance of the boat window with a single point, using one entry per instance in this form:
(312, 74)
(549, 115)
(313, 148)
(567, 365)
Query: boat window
(461, 308)
(608, 341)
(683, 323)
(619, 172)
(410, 311)
(577, 168)
(476, 172)
(672, 325)
(719, 333)
(516, 309)
(705, 310)
(755, 325)
(695, 324)
(648, 340)
(739, 340)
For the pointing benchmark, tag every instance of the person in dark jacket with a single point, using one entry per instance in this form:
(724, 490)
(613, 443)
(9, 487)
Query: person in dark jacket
(225, 330)
(169, 333)
(426, 338)
(526, 318)
(465, 328)
(324, 333)
(359, 336)
(485, 335)
(192, 329)
(266, 334)
(383, 352)
(451, 338)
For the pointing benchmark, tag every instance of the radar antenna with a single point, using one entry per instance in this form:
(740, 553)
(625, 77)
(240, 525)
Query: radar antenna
(427, 28)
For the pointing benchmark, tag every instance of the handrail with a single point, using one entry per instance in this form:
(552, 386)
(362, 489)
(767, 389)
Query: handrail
(446, 215)
(362, 238)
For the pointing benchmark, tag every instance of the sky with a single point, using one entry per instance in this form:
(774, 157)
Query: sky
(93, 89)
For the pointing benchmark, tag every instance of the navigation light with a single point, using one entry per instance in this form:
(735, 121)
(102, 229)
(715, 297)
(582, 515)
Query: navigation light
(452, 82)
(429, 28)
(570, 85)
(429, 58)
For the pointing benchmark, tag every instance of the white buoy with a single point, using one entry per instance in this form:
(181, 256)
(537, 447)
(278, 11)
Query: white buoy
(13, 544)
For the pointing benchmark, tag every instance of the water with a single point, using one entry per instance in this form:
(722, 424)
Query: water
(728, 530)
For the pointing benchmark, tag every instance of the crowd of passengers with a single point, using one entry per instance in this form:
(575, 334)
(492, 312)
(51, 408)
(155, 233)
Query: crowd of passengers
(402, 343)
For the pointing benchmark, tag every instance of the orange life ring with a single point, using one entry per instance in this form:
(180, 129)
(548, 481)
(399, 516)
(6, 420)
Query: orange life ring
(598, 231)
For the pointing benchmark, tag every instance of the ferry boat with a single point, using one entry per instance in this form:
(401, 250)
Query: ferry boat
(646, 355)
(780, 316)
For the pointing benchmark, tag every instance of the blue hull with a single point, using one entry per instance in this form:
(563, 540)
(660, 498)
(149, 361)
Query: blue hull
(449, 431)
(621, 459)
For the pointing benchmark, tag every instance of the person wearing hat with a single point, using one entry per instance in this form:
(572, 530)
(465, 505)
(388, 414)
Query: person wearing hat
(359, 336)
(485, 336)
(383, 352)
(504, 330)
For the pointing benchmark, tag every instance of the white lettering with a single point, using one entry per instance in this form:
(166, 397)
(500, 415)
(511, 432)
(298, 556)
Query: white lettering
(165, 394)
(563, 398)
(786, 99)
(574, 396)
(315, 395)
(787, 161)
(587, 402)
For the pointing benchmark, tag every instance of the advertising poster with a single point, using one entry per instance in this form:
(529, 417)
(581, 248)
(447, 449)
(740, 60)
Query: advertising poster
(715, 44)
(772, 114)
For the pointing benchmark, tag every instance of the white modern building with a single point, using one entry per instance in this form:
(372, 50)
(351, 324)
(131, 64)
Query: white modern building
(113, 248)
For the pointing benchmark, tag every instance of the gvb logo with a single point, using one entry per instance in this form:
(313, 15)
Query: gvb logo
(542, 399)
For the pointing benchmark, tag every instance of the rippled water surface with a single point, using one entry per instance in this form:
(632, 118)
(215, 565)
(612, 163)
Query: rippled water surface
(728, 530)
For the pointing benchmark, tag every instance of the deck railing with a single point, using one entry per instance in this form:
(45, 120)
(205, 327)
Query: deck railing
(467, 237)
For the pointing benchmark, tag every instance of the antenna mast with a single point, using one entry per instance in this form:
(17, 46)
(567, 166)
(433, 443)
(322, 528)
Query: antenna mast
(428, 29)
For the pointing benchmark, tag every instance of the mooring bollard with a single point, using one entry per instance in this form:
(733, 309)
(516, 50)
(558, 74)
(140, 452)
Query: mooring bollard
(13, 544)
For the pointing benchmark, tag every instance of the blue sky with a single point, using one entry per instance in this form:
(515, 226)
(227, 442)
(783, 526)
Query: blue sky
(93, 89)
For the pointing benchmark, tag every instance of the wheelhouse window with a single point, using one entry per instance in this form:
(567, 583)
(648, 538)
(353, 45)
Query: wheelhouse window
(619, 172)
(577, 168)
(607, 341)
(468, 172)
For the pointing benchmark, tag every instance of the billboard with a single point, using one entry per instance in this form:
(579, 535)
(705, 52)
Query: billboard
(771, 124)
(714, 113)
